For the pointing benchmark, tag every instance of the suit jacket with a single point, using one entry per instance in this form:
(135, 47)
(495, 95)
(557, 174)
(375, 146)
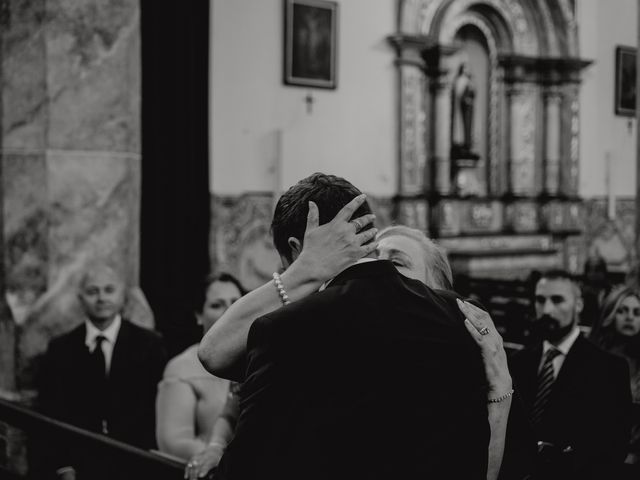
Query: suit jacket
(69, 387)
(589, 406)
(374, 377)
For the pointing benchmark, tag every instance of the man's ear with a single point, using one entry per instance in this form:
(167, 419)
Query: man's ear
(579, 305)
(296, 247)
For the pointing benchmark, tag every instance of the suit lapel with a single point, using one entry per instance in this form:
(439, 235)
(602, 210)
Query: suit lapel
(121, 352)
(572, 369)
(528, 379)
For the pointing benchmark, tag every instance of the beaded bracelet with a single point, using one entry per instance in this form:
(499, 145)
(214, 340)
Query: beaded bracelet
(501, 397)
(281, 291)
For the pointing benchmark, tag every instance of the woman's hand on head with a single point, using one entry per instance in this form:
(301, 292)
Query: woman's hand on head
(491, 347)
(330, 248)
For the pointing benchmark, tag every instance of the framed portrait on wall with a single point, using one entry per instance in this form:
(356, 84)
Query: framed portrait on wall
(310, 43)
(625, 99)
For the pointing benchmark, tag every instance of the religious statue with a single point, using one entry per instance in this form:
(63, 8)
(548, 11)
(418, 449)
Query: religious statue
(462, 99)
(464, 175)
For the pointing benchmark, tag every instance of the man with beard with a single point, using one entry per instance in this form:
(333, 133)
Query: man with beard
(576, 395)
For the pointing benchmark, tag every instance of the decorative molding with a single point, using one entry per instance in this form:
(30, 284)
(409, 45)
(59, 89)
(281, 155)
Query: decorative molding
(412, 130)
(414, 214)
(550, 31)
(522, 148)
(522, 217)
(524, 38)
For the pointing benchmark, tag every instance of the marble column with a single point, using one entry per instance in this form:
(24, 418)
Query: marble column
(70, 160)
(552, 150)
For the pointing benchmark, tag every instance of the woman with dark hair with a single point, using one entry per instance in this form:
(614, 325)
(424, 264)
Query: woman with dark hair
(192, 422)
(618, 332)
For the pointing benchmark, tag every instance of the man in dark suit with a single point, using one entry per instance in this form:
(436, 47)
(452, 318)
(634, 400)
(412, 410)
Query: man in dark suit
(576, 395)
(373, 377)
(103, 375)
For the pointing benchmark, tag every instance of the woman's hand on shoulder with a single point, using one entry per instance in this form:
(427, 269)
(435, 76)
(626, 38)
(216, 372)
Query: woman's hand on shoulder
(484, 332)
(330, 248)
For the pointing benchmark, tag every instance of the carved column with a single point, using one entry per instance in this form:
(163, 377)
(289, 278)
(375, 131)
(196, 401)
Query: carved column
(442, 136)
(552, 148)
(414, 176)
(412, 130)
(521, 142)
(570, 124)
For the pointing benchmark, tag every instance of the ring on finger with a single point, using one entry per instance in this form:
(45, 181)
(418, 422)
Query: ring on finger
(484, 331)
(356, 224)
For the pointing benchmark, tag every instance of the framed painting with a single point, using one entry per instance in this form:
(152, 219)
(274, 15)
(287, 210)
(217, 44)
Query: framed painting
(625, 96)
(310, 43)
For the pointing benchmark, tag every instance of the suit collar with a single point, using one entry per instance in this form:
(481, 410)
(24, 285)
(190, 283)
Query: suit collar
(110, 333)
(565, 345)
(362, 260)
(364, 270)
(120, 357)
(572, 368)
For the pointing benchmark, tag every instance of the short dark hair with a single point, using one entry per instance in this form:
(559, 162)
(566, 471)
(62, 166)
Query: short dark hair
(329, 192)
(209, 280)
(559, 274)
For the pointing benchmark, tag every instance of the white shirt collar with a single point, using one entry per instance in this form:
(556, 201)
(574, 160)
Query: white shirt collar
(362, 260)
(565, 345)
(110, 333)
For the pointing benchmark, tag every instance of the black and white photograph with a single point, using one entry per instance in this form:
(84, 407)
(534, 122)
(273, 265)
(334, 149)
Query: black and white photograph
(319, 240)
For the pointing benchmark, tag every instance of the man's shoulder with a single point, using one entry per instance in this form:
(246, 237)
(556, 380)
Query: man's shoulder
(589, 350)
(63, 340)
(140, 333)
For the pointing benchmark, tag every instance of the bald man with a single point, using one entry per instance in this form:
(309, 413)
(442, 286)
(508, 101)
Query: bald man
(102, 376)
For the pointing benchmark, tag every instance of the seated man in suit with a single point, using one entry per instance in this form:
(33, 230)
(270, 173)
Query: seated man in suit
(373, 377)
(576, 395)
(102, 376)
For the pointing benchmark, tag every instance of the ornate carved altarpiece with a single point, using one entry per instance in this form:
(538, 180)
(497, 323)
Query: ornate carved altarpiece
(512, 204)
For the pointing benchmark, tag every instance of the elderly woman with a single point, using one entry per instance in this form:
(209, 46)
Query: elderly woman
(327, 250)
(191, 423)
(618, 331)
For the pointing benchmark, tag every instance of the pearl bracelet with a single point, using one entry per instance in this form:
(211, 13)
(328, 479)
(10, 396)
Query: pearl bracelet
(280, 288)
(501, 397)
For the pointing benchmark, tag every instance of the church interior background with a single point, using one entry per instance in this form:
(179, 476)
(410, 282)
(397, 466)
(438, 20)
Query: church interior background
(161, 139)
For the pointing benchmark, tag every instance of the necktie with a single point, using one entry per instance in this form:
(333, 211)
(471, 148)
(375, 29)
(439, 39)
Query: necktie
(546, 377)
(102, 391)
(98, 355)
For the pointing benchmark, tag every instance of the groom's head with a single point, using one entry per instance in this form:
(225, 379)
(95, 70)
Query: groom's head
(328, 192)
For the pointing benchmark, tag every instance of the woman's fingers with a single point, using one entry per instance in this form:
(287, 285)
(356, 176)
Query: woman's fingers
(477, 316)
(473, 331)
(368, 249)
(472, 316)
(347, 211)
(365, 220)
(313, 217)
(365, 236)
